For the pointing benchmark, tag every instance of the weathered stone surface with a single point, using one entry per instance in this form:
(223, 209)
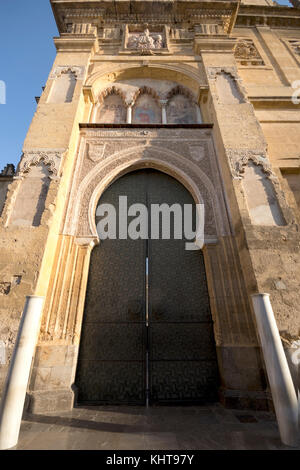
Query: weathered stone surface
(241, 72)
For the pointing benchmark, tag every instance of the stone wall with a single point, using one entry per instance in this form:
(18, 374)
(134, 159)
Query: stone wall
(241, 70)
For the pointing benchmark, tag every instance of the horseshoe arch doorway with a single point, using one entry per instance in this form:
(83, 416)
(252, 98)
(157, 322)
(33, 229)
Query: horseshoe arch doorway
(147, 334)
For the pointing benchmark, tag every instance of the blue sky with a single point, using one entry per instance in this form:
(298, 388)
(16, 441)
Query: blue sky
(27, 53)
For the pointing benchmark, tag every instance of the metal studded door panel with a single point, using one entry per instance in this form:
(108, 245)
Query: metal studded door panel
(111, 365)
(134, 346)
(183, 365)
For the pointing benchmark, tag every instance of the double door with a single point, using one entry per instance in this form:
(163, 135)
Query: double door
(147, 334)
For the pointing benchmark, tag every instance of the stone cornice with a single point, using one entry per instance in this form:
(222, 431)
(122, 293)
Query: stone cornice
(276, 17)
(84, 43)
(165, 11)
(115, 12)
(217, 44)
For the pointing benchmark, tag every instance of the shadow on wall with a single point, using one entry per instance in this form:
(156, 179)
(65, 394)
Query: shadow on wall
(31, 197)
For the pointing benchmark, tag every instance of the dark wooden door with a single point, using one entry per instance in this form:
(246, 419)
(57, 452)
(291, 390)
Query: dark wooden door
(147, 331)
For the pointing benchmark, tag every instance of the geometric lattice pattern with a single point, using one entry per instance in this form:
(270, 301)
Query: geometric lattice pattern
(113, 362)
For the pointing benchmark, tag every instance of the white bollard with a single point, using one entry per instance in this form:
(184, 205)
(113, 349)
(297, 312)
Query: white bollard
(15, 388)
(281, 383)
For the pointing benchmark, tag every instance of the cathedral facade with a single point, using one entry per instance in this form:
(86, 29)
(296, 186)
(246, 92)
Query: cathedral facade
(194, 103)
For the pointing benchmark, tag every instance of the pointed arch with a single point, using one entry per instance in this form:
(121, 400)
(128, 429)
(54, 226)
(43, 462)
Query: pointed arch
(113, 90)
(180, 90)
(81, 221)
(145, 90)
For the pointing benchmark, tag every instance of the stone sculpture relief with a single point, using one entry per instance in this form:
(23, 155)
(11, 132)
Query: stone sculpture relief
(51, 158)
(247, 54)
(145, 41)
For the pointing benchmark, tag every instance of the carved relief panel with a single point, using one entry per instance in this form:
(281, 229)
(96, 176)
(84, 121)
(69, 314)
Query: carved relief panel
(247, 54)
(145, 40)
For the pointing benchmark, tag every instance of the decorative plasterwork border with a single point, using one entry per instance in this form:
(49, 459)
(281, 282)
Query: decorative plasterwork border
(49, 157)
(240, 158)
(79, 71)
(139, 149)
(83, 12)
(129, 99)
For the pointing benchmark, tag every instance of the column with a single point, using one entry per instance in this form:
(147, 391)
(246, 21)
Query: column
(163, 104)
(129, 113)
(94, 113)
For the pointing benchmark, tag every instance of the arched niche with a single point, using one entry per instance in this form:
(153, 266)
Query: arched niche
(228, 90)
(63, 88)
(111, 110)
(261, 198)
(146, 110)
(31, 197)
(184, 75)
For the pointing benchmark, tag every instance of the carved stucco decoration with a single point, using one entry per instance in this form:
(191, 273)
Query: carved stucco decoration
(208, 29)
(82, 15)
(180, 90)
(198, 151)
(96, 151)
(246, 53)
(81, 28)
(145, 42)
(221, 17)
(78, 71)
(145, 90)
(130, 98)
(179, 154)
(51, 158)
(111, 91)
(240, 158)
